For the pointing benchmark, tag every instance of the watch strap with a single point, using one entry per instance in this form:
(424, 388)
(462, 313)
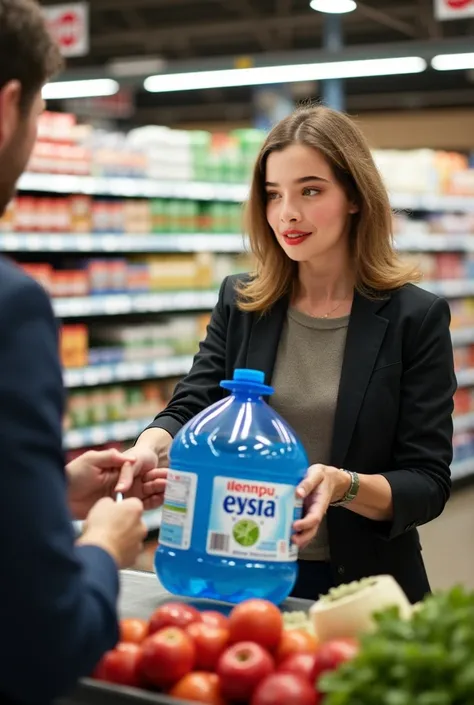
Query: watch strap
(351, 493)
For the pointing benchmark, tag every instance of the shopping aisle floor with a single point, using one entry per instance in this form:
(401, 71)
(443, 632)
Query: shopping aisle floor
(448, 542)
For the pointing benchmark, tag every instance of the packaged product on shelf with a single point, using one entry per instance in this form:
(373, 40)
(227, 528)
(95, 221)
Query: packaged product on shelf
(461, 358)
(98, 405)
(451, 223)
(56, 127)
(80, 214)
(461, 183)
(462, 401)
(78, 409)
(69, 282)
(25, 219)
(463, 446)
(449, 265)
(107, 275)
(138, 278)
(43, 273)
(74, 345)
(116, 403)
(7, 221)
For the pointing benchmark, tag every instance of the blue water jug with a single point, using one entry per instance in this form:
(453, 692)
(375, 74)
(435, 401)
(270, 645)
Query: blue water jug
(230, 500)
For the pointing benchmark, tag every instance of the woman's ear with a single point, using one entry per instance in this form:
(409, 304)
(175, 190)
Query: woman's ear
(353, 207)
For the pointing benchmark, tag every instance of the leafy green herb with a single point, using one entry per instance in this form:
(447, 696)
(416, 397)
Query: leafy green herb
(429, 657)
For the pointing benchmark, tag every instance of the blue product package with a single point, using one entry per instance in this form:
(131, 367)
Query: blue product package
(230, 501)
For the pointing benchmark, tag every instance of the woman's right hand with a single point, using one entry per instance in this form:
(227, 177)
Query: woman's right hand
(145, 475)
(116, 527)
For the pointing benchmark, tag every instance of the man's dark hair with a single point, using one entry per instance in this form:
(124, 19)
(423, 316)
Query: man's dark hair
(28, 53)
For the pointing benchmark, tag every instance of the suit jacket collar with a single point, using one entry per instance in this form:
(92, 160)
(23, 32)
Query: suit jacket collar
(365, 335)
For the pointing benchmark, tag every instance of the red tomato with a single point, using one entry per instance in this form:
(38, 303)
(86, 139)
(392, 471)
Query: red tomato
(300, 665)
(295, 641)
(256, 620)
(210, 643)
(241, 668)
(215, 619)
(332, 653)
(133, 631)
(173, 614)
(167, 656)
(120, 666)
(199, 687)
(281, 688)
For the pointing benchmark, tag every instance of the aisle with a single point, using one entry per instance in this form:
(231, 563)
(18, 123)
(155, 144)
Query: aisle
(448, 542)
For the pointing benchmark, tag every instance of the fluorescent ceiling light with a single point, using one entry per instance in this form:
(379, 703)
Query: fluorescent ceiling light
(453, 62)
(333, 7)
(293, 73)
(91, 88)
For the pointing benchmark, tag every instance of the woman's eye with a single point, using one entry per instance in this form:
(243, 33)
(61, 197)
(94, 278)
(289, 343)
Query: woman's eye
(311, 191)
(271, 195)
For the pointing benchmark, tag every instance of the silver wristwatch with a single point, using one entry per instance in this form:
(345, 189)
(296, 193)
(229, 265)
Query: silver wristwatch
(351, 492)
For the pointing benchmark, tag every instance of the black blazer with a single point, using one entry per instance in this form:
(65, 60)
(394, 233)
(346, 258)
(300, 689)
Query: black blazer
(393, 415)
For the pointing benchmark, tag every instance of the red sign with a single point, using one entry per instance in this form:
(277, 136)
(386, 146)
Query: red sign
(453, 9)
(69, 25)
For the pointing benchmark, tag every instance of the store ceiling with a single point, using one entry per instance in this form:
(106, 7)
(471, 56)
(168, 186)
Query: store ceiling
(194, 30)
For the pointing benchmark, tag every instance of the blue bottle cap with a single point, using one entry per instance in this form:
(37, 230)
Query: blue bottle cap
(255, 376)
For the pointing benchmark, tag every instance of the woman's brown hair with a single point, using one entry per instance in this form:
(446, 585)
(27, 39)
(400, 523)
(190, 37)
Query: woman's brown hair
(376, 264)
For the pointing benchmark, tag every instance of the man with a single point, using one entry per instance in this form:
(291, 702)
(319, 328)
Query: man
(57, 599)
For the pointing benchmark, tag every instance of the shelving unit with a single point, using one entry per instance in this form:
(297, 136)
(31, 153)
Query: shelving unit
(125, 304)
(128, 305)
(112, 242)
(127, 371)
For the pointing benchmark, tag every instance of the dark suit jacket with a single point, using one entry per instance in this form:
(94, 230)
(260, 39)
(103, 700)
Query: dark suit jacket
(393, 415)
(57, 603)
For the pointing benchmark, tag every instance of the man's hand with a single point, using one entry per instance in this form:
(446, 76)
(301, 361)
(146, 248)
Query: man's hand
(94, 475)
(117, 528)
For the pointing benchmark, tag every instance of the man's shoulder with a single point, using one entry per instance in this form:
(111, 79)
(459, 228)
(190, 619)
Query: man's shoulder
(18, 289)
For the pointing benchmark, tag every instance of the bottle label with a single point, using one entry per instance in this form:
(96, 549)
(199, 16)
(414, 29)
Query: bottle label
(178, 509)
(252, 520)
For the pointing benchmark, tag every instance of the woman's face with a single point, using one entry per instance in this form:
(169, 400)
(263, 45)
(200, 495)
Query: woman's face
(307, 208)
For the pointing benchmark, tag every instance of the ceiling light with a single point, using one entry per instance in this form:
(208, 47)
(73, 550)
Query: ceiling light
(333, 7)
(292, 73)
(91, 88)
(453, 62)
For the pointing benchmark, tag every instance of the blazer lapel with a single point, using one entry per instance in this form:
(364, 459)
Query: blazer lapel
(264, 339)
(365, 334)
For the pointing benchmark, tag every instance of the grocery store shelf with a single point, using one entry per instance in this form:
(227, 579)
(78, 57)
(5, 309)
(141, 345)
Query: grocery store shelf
(104, 433)
(434, 243)
(432, 202)
(462, 336)
(462, 469)
(450, 287)
(125, 371)
(132, 187)
(193, 242)
(114, 242)
(117, 304)
(464, 422)
(202, 191)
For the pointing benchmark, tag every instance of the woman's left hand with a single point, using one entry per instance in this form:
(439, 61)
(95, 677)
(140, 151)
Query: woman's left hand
(320, 487)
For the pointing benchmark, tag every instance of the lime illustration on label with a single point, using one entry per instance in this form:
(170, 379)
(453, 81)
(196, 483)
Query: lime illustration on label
(246, 533)
(252, 520)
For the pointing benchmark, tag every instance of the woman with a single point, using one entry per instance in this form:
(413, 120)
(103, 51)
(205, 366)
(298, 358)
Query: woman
(360, 358)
